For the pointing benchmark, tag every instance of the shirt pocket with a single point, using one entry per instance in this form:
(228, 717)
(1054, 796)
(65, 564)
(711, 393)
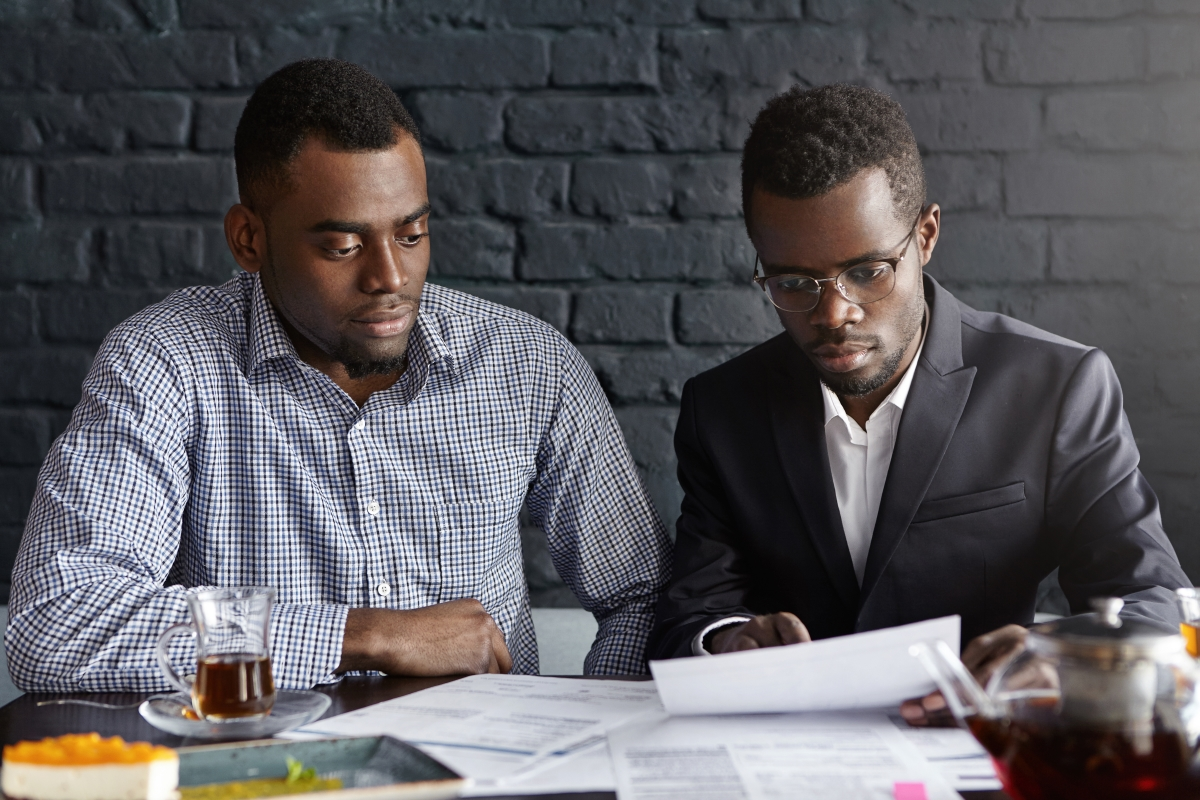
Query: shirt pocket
(479, 545)
(973, 503)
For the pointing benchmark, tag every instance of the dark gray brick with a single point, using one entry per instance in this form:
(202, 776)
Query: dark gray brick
(16, 319)
(140, 120)
(23, 13)
(87, 315)
(17, 485)
(1121, 319)
(983, 248)
(123, 15)
(626, 315)
(740, 108)
(630, 124)
(24, 438)
(508, 188)
(1181, 110)
(552, 306)
(459, 121)
(44, 253)
(726, 316)
(234, 14)
(974, 119)
(51, 375)
(698, 251)
(613, 188)
(1171, 51)
(18, 64)
(1173, 7)
(33, 121)
(1178, 381)
(614, 57)
(264, 52)
(569, 13)
(16, 190)
(751, 9)
(142, 186)
(216, 122)
(1066, 52)
(1105, 120)
(927, 49)
(1015, 300)
(493, 60)
(773, 56)
(472, 248)
(1072, 9)
(153, 254)
(963, 182)
(650, 433)
(708, 187)
(651, 375)
(181, 60)
(956, 9)
(217, 262)
(1125, 252)
(1064, 184)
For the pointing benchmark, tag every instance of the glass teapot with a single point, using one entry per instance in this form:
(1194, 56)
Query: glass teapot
(1095, 707)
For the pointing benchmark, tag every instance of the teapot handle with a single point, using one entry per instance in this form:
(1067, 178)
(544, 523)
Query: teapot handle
(164, 658)
(963, 694)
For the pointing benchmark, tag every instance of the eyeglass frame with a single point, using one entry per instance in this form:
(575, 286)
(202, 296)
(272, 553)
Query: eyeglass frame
(892, 262)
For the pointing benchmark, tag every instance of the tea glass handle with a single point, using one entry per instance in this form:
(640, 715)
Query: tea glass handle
(164, 659)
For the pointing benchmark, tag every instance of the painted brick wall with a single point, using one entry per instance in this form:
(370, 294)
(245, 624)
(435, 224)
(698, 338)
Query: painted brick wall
(583, 164)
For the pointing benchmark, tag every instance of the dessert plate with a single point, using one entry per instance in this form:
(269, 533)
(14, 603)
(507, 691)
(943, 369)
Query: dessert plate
(171, 713)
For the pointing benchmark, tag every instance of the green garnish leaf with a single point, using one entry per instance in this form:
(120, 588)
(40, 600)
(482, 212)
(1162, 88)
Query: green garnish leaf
(297, 772)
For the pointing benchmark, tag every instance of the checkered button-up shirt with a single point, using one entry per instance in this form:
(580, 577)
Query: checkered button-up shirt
(206, 453)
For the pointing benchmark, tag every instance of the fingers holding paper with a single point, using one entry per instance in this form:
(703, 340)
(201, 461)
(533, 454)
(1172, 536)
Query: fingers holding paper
(983, 656)
(455, 638)
(767, 630)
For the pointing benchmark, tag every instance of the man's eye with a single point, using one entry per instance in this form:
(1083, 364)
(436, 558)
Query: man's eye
(342, 252)
(411, 239)
(867, 273)
(795, 283)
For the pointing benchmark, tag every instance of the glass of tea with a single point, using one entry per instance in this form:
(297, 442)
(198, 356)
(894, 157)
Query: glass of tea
(1188, 599)
(233, 659)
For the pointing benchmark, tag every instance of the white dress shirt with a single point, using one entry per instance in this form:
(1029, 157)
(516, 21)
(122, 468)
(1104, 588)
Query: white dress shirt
(859, 461)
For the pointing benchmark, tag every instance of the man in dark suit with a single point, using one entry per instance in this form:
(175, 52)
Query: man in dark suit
(895, 455)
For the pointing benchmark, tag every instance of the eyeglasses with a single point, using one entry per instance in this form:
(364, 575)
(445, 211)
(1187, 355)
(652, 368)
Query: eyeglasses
(862, 283)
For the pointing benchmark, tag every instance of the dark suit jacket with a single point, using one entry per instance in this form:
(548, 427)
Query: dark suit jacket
(1013, 457)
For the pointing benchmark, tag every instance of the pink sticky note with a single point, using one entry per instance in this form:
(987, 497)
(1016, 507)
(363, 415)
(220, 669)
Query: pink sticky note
(909, 791)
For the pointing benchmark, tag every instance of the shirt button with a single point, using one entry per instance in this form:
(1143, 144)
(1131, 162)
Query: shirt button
(358, 426)
(383, 589)
(372, 508)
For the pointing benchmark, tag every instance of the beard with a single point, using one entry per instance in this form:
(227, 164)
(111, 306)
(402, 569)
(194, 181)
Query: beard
(863, 385)
(346, 351)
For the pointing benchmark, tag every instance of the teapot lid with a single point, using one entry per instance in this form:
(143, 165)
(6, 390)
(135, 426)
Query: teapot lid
(1104, 636)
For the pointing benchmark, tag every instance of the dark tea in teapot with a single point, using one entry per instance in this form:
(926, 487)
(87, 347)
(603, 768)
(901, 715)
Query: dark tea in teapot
(1048, 763)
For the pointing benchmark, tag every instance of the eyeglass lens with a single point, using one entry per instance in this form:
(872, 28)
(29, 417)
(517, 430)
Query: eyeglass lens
(862, 284)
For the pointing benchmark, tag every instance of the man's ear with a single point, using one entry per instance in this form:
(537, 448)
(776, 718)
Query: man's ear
(928, 230)
(246, 235)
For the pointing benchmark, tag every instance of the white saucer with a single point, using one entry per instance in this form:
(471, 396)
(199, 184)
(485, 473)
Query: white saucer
(291, 710)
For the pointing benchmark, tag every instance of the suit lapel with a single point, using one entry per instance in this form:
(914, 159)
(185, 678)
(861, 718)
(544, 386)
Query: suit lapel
(939, 393)
(797, 416)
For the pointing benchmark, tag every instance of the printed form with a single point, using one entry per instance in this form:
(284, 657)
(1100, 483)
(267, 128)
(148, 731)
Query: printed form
(844, 756)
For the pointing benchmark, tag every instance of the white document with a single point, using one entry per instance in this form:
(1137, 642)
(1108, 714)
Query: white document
(963, 762)
(864, 670)
(489, 727)
(587, 770)
(844, 756)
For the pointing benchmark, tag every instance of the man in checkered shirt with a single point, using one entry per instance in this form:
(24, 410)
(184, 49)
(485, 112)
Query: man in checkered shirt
(330, 425)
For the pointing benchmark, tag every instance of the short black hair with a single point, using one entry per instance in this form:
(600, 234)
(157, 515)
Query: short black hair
(805, 142)
(342, 103)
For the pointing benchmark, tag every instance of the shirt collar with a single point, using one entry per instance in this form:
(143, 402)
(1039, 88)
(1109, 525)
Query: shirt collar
(268, 340)
(897, 397)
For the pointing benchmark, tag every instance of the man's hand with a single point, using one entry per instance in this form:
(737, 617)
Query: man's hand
(455, 638)
(768, 630)
(983, 656)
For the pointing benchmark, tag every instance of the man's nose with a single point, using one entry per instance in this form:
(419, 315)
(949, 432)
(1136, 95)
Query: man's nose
(383, 270)
(833, 309)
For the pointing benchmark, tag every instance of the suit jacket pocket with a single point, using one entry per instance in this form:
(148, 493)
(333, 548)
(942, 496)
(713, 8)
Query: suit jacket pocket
(970, 503)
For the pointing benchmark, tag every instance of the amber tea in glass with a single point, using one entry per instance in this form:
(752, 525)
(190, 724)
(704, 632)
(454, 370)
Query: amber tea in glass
(233, 661)
(1189, 606)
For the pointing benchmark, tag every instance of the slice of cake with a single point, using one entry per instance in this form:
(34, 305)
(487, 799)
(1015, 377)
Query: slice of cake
(83, 766)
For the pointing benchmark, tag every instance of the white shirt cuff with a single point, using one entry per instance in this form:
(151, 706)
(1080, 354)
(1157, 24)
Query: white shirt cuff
(698, 642)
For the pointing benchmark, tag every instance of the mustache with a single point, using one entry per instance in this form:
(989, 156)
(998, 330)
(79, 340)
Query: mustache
(835, 338)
